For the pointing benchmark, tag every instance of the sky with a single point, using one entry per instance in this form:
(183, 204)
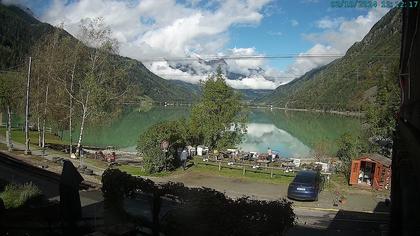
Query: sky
(148, 30)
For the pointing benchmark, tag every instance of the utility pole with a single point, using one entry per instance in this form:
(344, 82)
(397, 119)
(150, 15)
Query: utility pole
(27, 150)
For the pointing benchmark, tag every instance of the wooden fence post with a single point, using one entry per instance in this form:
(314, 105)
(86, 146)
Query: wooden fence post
(220, 165)
(243, 171)
(271, 173)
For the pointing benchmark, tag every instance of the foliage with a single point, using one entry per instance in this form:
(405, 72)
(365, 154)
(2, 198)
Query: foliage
(11, 89)
(202, 211)
(349, 148)
(15, 196)
(381, 114)
(218, 120)
(11, 94)
(155, 160)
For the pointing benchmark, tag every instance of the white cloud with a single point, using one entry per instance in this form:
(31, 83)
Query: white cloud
(294, 22)
(167, 29)
(163, 27)
(163, 69)
(254, 82)
(242, 66)
(328, 23)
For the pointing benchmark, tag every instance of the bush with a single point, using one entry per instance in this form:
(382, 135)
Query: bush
(155, 160)
(15, 196)
(202, 211)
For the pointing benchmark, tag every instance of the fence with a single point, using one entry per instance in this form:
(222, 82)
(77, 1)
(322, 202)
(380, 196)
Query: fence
(243, 166)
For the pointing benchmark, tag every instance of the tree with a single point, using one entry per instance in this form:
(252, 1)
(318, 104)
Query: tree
(349, 148)
(101, 84)
(11, 95)
(155, 160)
(218, 120)
(46, 92)
(380, 114)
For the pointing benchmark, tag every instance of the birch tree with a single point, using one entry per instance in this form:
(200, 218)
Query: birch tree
(10, 97)
(103, 82)
(47, 67)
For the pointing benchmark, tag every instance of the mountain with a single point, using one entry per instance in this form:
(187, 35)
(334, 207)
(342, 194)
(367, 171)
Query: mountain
(19, 30)
(250, 95)
(349, 82)
(204, 67)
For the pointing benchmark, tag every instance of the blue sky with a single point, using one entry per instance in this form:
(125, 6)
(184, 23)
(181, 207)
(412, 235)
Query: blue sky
(196, 28)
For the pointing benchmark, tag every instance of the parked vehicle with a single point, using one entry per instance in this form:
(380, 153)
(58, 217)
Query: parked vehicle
(305, 186)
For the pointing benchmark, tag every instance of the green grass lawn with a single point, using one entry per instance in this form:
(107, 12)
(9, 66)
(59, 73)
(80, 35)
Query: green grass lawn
(19, 136)
(199, 167)
(279, 176)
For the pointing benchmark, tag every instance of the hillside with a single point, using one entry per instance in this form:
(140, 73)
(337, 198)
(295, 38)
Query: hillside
(347, 83)
(19, 30)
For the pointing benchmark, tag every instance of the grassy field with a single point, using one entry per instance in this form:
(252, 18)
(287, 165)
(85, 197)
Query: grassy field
(198, 166)
(19, 136)
(279, 176)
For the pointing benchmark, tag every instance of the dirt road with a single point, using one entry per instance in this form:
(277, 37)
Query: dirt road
(357, 200)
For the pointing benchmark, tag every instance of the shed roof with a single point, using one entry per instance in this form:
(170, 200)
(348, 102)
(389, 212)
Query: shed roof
(377, 158)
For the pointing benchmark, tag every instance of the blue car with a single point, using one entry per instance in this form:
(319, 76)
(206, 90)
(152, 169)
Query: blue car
(305, 186)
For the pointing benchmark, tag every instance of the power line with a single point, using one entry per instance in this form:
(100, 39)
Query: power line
(205, 75)
(246, 57)
(285, 56)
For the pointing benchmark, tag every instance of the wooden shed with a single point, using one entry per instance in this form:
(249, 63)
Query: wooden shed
(371, 170)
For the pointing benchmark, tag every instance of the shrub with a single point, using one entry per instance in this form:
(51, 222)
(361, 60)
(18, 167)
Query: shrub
(15, 196)
(155, 160)
(202, 211)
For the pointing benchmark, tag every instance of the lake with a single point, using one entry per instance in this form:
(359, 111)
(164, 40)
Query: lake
(291, 133)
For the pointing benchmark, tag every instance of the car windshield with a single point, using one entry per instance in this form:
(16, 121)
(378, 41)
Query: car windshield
(305, 177)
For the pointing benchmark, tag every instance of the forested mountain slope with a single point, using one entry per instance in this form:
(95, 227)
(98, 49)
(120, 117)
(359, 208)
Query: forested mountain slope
(349, 82)
(19, 30)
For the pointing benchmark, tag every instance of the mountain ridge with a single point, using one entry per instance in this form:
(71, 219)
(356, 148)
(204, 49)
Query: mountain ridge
(347, 82)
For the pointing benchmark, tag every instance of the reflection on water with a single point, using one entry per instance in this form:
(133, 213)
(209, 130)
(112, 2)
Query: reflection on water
(124, 132)
(292, 134)
(260, 137)
(296, 134)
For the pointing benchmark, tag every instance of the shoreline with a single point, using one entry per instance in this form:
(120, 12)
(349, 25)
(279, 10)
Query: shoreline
(342, 113)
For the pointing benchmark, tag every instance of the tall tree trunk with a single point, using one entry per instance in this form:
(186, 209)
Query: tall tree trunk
(9, 130)
(45, 117)
(71, 111)
(38, 124)
(82, 125)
